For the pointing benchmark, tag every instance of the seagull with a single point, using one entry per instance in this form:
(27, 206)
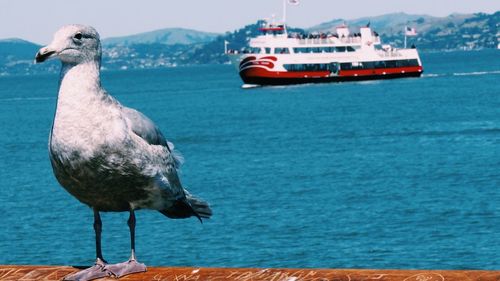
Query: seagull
(110, 157)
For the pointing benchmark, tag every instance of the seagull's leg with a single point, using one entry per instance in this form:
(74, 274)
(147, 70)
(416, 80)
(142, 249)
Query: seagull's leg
(130, 266)
(98, 269)
(98, 231)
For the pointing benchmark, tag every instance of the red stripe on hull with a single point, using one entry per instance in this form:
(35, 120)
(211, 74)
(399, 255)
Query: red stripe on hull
(262, 76)
(257, 72)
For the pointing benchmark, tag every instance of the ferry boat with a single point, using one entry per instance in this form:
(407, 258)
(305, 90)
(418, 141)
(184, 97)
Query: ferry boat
(277, 57)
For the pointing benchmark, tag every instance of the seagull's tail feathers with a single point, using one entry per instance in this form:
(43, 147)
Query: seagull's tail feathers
(188, 207)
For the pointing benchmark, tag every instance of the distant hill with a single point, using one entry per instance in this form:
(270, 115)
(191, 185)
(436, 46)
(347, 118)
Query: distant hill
(160, 48)
(393, 23)
(456, 31)
(464, 32)
(14, 48)
(17, 56)
(167, 36)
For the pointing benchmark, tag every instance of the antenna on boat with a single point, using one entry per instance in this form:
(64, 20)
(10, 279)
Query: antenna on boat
(284, 15)
(291, 2)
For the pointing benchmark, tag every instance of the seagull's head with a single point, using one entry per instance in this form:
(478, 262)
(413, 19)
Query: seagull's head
(72, 44)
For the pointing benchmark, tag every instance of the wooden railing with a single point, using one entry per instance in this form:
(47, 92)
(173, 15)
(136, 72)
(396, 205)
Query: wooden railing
(49, 273)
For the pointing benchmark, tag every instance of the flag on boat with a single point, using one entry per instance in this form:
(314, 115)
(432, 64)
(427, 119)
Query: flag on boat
(293, 2)
(410, 31)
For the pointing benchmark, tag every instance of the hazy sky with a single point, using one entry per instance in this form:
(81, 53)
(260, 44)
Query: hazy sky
(37, 20)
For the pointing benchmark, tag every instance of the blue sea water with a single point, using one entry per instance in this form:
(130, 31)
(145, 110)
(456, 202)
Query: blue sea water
(383, 174)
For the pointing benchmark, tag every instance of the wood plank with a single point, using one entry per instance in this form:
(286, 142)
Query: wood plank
(50, 273)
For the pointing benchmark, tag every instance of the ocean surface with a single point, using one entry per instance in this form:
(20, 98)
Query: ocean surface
(383, 174)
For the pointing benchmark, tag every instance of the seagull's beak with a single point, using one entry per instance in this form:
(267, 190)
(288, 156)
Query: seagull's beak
(44, 54)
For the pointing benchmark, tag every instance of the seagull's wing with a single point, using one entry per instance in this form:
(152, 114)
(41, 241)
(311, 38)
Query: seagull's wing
(184, 205)
(144, 127)
(148, 131)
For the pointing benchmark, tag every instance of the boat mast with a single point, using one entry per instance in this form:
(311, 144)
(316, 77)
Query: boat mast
(284, 16)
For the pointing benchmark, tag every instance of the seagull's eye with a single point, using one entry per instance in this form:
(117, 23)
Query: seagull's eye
(78, 36)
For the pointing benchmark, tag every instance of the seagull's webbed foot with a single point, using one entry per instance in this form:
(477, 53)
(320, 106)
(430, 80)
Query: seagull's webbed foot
(98, 270)
(125, 268)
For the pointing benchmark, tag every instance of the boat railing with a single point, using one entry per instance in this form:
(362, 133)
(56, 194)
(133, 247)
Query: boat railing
(350, 40)
(307, 41)
(335, 40)
(332, 40)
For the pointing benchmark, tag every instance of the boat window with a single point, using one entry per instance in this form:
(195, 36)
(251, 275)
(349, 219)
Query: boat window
(346, 66)
(315, 50)
(391, 63)
(311, 67)
(368, 64)
(356, 65)
(251, 51)
(255, 50)
(329, 49)
(413, 62)
(379, 64)
(268, 50)
(292, 67)
(340, 49)
(281, 51)
(350, 49)
(402, 63)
